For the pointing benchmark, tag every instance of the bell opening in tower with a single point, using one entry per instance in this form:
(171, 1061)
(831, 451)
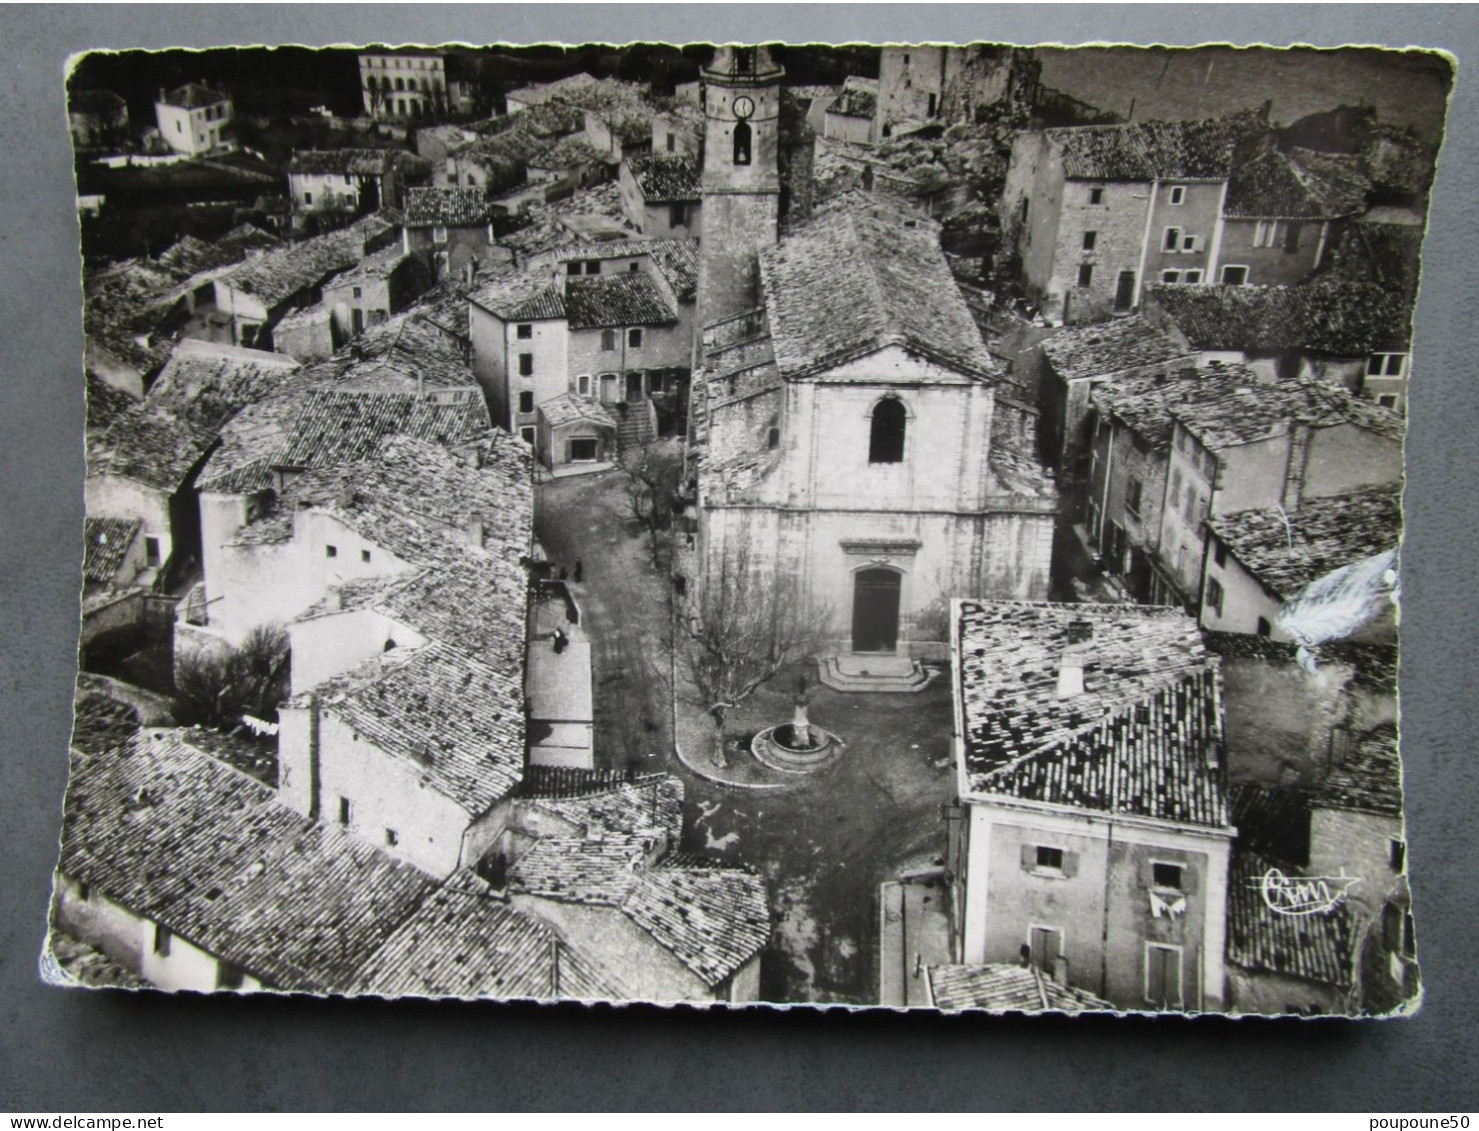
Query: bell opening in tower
(742, 143)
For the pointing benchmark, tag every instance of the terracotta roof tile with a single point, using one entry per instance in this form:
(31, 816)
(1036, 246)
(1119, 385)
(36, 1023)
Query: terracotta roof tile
(152, 448)
(1299, 185)
(1143, 151)
(1109, 347)
(107, 541)
(1369, 780)
(1002, 988)
(1315, 948)
(208, 383)
(449, 206)
(569, 408)
(1145, 404)
(1225, 413)
(1340, 318)
(1287, 551)
(194, 95)
(666, 178)
(628, 298)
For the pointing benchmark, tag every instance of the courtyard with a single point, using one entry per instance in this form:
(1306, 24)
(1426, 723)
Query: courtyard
(825, 841)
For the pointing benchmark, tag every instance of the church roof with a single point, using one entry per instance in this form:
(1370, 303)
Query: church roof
(852, 282)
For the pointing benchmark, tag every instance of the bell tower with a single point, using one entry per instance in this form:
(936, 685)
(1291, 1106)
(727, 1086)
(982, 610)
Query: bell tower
(741, 178)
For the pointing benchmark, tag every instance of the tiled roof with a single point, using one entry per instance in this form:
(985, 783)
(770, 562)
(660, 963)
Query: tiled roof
(152, 448)
(854, 104)
(1389, 255)
(1315, 948)
(666, 178)
(277, 275)
(372, 268)
(1339, 318)
(1286, 551)
(1143, 737)
(357, 163)
(612, 808)
(461, 942)
(448, 206)
(336, 427)
(568, 409)
(1225, 413)
(528, 297)
(193, 256)
(194, 95)
(208, 383)
(713, 920)
(1272, 821)
(176, 836)
(675, 259)
(628, 298)
(1143, 151)
(1109, 347)
(1144, 404)
(107, 542)
(571, 152)
(1370, 778)
(454, 720)
(1299, 185)
(851, 283)
(1003, 988)
(105, 403)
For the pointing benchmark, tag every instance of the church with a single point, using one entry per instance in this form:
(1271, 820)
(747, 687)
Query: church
(849, 431)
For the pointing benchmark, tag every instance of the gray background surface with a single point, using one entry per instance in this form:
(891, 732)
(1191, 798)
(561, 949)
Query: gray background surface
(74, 1051)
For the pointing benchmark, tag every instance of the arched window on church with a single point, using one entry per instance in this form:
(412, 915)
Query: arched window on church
(886, 441)
(742, 143)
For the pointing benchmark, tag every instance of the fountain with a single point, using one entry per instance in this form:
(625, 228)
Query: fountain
(797, 747)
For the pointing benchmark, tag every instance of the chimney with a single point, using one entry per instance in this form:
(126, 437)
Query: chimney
(163, 95)
(1060, 971)
(1075, 653)
(475, 529)
(344, 496)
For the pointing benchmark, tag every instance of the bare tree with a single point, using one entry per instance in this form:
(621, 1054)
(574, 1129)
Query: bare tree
(217, 688)
(654, 470)
(747, 625)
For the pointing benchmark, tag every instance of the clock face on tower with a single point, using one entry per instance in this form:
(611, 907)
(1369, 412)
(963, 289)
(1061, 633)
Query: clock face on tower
(744, 106)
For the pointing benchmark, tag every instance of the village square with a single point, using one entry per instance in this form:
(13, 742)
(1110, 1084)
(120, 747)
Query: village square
(888, 526)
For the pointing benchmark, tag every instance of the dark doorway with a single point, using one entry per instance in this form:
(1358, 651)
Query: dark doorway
(634, 386)
(583, 451)
(875, 610)
(1124, 291)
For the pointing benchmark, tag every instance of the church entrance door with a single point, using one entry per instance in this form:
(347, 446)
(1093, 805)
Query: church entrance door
(875, 610)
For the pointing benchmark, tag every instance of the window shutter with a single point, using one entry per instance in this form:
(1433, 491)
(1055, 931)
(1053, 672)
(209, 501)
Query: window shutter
(1070, 864)
(1188, 879)
(1029, 856)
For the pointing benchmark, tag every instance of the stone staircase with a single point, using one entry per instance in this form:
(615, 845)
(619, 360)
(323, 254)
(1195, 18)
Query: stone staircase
(636, 426)
(895, 674)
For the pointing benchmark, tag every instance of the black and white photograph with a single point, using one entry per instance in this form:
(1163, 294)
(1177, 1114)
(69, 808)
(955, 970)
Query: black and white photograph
(906, 525)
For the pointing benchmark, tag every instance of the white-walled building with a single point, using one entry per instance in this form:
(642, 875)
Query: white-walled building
(403, 84)
(194, 119)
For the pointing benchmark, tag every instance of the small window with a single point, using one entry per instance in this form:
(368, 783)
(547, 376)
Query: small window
(1090, 239)
(1387, 400)
(331, 551)
(1214, 595)
(1096, 196)
(773, 439)
(1291, 237)
(1166, 875)
(608, 340)
(1188, 243)
(527, 435)
(364, 556)
(572, 268)
(1170, 276)
(886, 438)
(1023, 216)
(583, 385)
(308, 198)
(392, 838)
(358, 292)
(525, 330)
(1051, 858)
(592, 266)
(228, 977)
(438, 233)
(1085, 274)
(526, 401)
(163, 936)
(1132, 497)
(1397, 854)
(1172, 241)
(1385, 364)
(1192, 276)
(346, 811)
(1264, 628)
(1219, 555)
(151, 550)
(84, 892)
(634, 338)
(1178, 194)
(677, 216)
(1234, 276)
(526, 365)
(672, 143)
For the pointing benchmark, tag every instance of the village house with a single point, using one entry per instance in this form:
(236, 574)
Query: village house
(850, 433)
(194, 119)
(1066, 368)
(1257, 561)
(574, 430)
(1097, 213)
(403, 84)
(339, 183)
(254, 296)
(610, 321)
(1130, 454)
(1274, 444)
(98, 119)
(598, 860)
(677, 129)
(1354, 334)
(454, 226)
(919, 85)
(173, 861)
(379, 286)
(1091, 839)
(207, 383)
(114, 556)
(849, 117)
(661, 195)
